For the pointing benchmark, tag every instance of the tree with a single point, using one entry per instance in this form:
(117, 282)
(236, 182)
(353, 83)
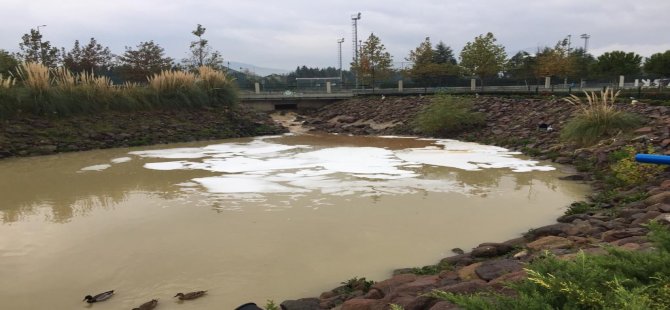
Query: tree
(149, 58)
(483, 58)
(7, 62)
(374, 61)
(658, 64)
(583, 63)
(428, 67)
(93, 57)
(612, 64)
(443, 54)
(201, 53)
(555, 61)
(522, 67)
(34, 49)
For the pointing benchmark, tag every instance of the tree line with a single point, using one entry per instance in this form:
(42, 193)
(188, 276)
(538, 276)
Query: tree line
(484, 59)
(134, 65)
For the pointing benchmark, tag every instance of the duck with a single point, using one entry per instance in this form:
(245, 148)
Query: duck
(100, 297)
(191, 295)
(149, 305)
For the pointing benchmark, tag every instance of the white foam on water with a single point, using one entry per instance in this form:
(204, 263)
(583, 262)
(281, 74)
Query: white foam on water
(96, 167)
(121, 160)
(259, 167)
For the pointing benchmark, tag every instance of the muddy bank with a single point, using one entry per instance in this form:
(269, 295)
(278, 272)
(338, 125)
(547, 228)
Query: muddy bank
(614, 215)
(30, 135)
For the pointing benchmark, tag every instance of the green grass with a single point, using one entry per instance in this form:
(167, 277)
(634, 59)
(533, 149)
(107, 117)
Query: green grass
(447, 114)
(619, 280)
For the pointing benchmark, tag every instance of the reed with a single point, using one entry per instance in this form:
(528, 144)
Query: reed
(64, 79)
(34, 76)
(211, 78)
(170, 80)
(7, 82)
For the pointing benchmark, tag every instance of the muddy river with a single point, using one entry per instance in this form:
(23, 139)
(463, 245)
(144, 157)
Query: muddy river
(255, 219)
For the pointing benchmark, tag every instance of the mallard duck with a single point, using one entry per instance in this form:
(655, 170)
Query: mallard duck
(147, 305)
(100, 297)
(191, 295)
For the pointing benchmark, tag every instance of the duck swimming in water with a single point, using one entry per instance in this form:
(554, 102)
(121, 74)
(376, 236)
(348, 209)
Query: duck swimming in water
(191, 295)
(100, 297)
(149, 305)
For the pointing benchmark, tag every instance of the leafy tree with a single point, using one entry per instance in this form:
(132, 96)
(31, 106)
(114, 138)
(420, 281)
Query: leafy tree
(92, 57)
(583, 63)
(658, 64)
(34, 49)
(612, 64)
(555, 61)
(522, 67)
(374, 61)
(443, 54)
(202, 53)
(7, 62)
(426, 70)
(483, 58)
(147, 59)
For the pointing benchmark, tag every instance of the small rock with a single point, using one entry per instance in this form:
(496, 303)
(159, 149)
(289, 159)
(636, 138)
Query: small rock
(301, 304)
(663, 197)
(492, 269)
(458, 250)
(617, 234)
(468, 272)
(550, 242)
(466, 287)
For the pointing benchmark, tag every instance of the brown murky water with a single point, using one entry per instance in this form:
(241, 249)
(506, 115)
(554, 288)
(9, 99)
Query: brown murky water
(253, 219)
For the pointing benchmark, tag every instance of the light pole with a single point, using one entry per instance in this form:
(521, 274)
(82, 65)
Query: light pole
(354, 21)
(339, 57)
(586, 41)
(39, 38)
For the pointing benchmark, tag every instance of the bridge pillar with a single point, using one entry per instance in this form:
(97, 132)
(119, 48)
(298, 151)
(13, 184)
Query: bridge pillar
(473, 84)
(621, 81)
(547, 82)
(328, 90)
(257, 88)
(400, 86)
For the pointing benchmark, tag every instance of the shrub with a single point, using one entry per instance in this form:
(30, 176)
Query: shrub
(597, 119)
(447, 114)
(620, 280)
(630, 172)
(170, 80)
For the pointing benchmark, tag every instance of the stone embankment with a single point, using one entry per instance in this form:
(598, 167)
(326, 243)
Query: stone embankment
(617, 221)
(31, 135)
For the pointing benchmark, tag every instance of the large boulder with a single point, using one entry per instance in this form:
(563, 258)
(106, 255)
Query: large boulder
(301, 304)
(492, 269)
(549, 243)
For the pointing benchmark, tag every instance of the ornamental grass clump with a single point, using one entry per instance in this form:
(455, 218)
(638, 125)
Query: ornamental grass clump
(210, 78)
(34, 76)
(597, 118)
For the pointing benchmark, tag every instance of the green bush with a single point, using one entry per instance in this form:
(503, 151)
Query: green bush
(630, 172)
(447, 114)
(619, 280)
(598, 118)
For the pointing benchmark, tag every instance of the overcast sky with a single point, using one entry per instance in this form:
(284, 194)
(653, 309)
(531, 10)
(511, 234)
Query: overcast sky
(288, 33)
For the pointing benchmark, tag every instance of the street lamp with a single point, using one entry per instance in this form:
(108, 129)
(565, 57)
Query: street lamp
(39, 38)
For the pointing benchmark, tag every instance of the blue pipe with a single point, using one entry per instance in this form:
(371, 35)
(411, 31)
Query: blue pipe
(653, 159)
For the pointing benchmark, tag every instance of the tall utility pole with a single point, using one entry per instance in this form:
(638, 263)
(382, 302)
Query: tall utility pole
(586, 41)
(569, 43)
(354, 34)
(41, 56)
(339, 57)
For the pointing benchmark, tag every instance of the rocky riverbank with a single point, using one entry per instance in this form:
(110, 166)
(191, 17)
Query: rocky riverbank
(31, 135)
(615, 214)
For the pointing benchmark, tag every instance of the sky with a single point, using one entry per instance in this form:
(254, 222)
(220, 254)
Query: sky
(290, 33)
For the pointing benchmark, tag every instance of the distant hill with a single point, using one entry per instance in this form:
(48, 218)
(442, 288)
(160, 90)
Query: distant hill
(260, 71)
